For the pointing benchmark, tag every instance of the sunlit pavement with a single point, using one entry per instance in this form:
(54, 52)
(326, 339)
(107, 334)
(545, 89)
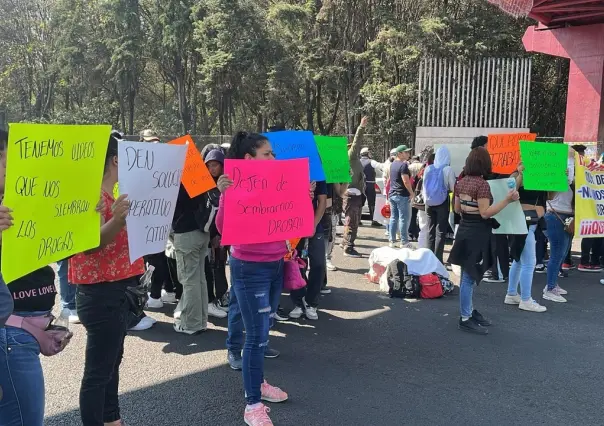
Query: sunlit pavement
(370, 360)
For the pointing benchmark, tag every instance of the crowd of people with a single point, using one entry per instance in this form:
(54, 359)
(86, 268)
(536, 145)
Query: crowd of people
(191, 272)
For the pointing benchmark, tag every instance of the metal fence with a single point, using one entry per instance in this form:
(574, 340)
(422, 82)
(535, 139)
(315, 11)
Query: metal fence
(489, 92)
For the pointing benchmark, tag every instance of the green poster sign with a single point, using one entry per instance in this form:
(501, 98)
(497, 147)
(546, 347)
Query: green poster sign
(544, 165)
(333, 151)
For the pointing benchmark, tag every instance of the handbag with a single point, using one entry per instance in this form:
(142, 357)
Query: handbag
(51, 338)
(569, 223)
(292, 277)
(138, 295)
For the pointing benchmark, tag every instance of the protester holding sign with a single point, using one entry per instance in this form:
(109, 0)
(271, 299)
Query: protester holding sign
(523, 247)
(21, 376)
(255, 270)
(471, 249)
(103, 275)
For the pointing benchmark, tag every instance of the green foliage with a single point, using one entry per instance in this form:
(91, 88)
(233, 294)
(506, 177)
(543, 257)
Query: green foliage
(215, 66)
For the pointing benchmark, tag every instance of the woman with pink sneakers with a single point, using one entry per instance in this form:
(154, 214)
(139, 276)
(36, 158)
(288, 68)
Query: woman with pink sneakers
(256, 272)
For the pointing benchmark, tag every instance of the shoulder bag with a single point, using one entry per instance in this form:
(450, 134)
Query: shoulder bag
(569, 223)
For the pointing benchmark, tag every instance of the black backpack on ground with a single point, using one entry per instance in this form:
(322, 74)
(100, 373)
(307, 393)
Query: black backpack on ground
(401, 284)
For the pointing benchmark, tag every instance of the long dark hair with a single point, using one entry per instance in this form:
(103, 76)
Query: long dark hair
(245, 143)
(111, 150)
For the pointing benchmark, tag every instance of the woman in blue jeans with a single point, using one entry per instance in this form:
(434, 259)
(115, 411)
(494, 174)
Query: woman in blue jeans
(256, 271)
(523, 248)
(472, 247)
(559, 209)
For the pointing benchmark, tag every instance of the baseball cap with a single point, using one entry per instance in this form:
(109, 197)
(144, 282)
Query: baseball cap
(402, 148)
(364, 150)
(149, 135)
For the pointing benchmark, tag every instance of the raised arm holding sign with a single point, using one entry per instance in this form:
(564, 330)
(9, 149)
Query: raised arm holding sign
(53, 183)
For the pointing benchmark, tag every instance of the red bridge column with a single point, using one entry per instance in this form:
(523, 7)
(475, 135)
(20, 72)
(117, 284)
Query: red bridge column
(584, 46)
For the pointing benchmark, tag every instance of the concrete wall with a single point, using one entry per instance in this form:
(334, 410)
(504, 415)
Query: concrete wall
(426, 136)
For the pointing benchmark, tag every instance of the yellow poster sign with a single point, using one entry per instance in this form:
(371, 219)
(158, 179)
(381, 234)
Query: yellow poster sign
(53, 184)
(589, 198)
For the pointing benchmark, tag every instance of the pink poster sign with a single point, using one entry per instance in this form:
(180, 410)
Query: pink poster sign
(269, 201)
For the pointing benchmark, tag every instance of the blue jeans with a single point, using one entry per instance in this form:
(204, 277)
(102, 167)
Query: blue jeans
(400, 209)
(67, 290)
(559, 241)
(21, 378)
(522, 272)
(466, 289)
(250, 307)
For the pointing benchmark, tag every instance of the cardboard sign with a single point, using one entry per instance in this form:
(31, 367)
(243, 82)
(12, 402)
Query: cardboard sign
(53, 184)
(292, 144)
(150, 173)
(196, 177)
(544, 166)
(505, 151)
(269, 201)
(511, 218)
(334, 158)
(589, 198)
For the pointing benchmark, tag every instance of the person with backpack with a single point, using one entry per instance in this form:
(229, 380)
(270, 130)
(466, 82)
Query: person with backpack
(438, 182)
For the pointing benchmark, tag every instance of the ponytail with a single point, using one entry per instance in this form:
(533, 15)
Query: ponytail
(245, 143)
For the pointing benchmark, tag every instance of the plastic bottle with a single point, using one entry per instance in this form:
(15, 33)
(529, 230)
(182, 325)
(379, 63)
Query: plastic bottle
(62, 322)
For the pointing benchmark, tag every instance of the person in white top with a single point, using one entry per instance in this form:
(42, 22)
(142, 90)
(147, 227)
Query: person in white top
(438, 183)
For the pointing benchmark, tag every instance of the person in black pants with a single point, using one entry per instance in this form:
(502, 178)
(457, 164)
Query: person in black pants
(369, 166)
(160, 280)
(591, 250)
(438, 216)
(501, 255)
(306, 300)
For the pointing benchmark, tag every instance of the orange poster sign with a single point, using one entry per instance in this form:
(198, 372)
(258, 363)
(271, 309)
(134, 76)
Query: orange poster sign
(505, 151)
(195, 177)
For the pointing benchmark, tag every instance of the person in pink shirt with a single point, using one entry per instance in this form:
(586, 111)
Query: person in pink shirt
(256, 272)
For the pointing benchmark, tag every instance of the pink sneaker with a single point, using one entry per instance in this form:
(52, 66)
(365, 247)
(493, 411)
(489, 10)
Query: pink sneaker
(258, 416)
(272, 393)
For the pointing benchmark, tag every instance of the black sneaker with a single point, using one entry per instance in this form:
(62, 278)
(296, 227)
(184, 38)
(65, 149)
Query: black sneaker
(350, 252)
(271, 353)
(541, 269)
(471, 326)
(480, 320)
(489, 278)
(563, 274)
(280, 315)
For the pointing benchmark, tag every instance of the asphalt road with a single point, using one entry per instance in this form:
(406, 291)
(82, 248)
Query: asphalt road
(370, 360)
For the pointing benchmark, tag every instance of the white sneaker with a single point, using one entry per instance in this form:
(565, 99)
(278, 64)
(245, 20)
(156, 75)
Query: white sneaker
(391, 245)
(554, 296)
(296, 313)
(144, 324)
(154, 303)
(168, 297)
(180, 329)
(532, 306)
(330, 266)
(311, 313)
(72, 316)
(558, 289)
(216, 312)
(177, 315)
(512, 300)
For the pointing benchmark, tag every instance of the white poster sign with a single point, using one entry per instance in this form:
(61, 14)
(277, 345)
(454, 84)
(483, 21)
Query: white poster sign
(150, 174)
(511, 218)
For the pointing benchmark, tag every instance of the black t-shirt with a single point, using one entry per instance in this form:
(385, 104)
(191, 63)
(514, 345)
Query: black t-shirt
(34, 292)
(320, 189)
(397, 187)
